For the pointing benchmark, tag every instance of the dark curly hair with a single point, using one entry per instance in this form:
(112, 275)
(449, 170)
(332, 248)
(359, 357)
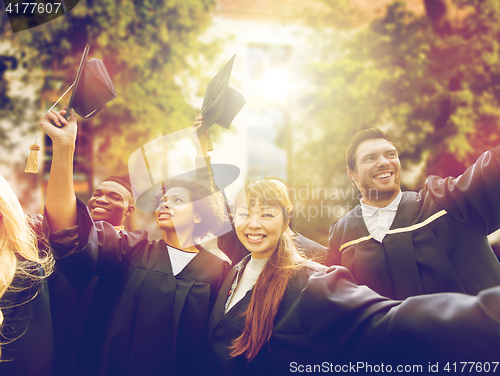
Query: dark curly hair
(211, 207)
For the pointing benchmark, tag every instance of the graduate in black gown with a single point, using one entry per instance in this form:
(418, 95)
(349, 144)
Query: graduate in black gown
(278, 313)
(404, 244)
(74, 310)
(26, 340)
(161, 292)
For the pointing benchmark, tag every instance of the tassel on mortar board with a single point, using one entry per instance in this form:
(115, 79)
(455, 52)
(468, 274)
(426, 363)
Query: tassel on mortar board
(32, 165)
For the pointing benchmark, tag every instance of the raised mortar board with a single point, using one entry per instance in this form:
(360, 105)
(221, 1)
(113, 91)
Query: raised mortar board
(221, 102)
(92, 88)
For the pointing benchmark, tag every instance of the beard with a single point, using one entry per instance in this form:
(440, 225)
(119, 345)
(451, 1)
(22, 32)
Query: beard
(373, 192)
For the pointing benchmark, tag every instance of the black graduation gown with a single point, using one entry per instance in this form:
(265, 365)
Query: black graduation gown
(27, 316)
(69, 309)
(437, 242)
(326, 320)
(310, 248)
(76, 314)
(156, 323)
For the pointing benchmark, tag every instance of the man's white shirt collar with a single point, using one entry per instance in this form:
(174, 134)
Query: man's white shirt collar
(379, 220)
(371, 210)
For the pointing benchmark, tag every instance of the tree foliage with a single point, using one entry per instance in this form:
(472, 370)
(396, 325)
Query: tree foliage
(144, 45)
(431, 80)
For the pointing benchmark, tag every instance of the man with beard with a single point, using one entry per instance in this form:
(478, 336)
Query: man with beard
(402, 244)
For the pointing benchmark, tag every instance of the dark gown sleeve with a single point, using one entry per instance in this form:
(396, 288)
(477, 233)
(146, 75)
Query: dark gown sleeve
(333, 256)
(326, 318)
(472, 198)
(354, 322)
(28, 323)
(232, 247)
(310, 248)
(35, 221)
(90, 249)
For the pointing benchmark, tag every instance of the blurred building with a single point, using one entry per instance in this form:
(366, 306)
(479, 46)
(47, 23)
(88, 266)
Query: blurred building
(273, 45)
(274, 42)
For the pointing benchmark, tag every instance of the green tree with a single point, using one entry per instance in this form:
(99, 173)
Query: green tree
(431, 80)
(12, 105)
(144, 45)
(10, 108)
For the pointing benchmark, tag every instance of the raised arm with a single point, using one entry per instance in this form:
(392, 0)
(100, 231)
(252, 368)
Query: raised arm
(472, 198)
(227, 243)
(203, 145)
(333, 256)
(202, 141)
(60, 204)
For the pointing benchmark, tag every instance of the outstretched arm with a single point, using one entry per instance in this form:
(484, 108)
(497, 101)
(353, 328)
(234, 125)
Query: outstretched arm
(353, 322)
(472, 199)
(60, 204)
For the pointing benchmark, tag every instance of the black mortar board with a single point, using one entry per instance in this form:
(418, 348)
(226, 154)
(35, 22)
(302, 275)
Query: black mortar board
(92, 88)
(221, 102)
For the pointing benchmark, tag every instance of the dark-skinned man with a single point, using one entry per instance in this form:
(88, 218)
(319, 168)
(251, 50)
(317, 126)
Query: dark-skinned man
(77, 312)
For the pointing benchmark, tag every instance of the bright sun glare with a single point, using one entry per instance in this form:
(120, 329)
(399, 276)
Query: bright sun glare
(276, 85)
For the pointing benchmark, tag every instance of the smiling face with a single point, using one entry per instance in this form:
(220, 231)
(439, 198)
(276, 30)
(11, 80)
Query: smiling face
(259, 228)
(378, 172)
(176, 212)
(110, 202)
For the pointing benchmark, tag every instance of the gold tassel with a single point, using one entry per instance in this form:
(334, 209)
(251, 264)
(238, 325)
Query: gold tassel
(32, 165)
(210, 146)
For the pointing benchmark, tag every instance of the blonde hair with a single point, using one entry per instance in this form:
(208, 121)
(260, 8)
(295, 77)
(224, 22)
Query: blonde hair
(18, 248)
(272, 283)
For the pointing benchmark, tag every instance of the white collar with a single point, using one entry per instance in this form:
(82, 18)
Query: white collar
(368, 210)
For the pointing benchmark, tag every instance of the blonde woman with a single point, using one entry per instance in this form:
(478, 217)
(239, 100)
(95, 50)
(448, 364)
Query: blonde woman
(25, 325)
(277, 313)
